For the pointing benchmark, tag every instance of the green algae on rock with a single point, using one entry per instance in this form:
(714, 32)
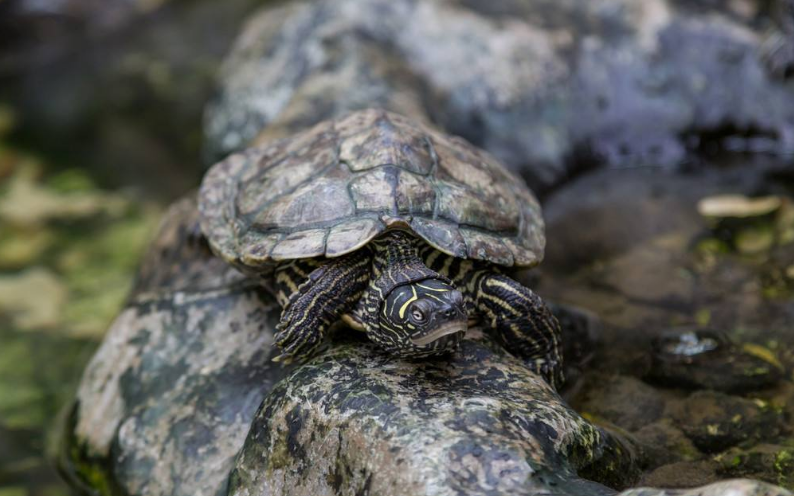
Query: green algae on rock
(765, 461)
(477, 423)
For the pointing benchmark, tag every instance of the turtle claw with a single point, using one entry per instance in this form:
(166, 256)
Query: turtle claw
(284, 358)
(296, 351)
(295, 343)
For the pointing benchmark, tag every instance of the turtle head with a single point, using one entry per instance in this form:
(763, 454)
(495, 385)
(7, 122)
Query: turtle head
(422, 318)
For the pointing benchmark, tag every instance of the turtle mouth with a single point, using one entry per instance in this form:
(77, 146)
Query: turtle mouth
(439, 332)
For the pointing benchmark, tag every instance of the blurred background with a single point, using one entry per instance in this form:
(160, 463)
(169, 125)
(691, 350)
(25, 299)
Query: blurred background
(100, 128)
(103, 124)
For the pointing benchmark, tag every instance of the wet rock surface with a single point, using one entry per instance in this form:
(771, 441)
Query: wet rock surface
(354, 420)
(168, 398)
(706, 359)
(715, 421)
(692, 327)
(664, 444)
(732, 487)
(683, 474)
(183, 399)
(167, 403)
(625, 401)
(539, 84)
(764, 461)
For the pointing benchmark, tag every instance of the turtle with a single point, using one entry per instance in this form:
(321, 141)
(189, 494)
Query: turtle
(387, 225)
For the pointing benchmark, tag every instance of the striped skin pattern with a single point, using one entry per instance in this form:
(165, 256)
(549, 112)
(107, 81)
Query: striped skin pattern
(318, 302)
(522, 323)
(424, 318)
(396, 266)
(403, 292)
(514, 314)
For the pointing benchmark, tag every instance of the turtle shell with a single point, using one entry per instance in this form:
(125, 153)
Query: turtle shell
(331, 189)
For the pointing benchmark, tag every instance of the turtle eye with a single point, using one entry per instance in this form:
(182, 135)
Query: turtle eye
(420, 312)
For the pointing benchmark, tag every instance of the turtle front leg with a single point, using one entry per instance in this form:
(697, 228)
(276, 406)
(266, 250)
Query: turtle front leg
(522, 323)
(318, 302)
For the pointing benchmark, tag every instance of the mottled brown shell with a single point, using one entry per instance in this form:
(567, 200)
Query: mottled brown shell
(331, 189)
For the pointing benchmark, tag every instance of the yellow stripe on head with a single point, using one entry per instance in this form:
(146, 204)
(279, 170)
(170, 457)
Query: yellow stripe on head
(441, 290)
(405, 305)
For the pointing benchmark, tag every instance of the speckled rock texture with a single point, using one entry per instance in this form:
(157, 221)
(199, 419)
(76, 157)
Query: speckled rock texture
(538, 83)
(166, 402)
(355, 421)
(182, 399)
(736, 487)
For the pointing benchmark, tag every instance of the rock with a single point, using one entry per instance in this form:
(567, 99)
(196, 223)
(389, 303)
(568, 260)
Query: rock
(355, 420)
(777, 49)
(750, 225)
(715, 421)
(683, 474)
(783, 398)
(737, 487)
(184, 366)
(183, 398)
(745, 223)
(706, 359)
(768, 462)
(624, 401)
(171, 392)
(581, 332)
(664, 444)
(624, 244)
(536, 83)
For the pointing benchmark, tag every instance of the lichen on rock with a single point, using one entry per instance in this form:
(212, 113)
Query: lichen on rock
(477, 422)
(183, 399)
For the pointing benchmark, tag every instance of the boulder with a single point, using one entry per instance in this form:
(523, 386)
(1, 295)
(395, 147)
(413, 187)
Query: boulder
(540, 84)
(182, 398)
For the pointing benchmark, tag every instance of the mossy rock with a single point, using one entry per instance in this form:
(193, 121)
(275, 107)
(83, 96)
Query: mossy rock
(183, 398)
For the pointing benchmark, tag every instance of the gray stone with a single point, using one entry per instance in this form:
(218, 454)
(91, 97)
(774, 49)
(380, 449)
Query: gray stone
(735, 487)
(182, 398)
(706, 359)
(165, 403)
(537, 83)
(716, 421)
(355, 421)
(624, 401)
